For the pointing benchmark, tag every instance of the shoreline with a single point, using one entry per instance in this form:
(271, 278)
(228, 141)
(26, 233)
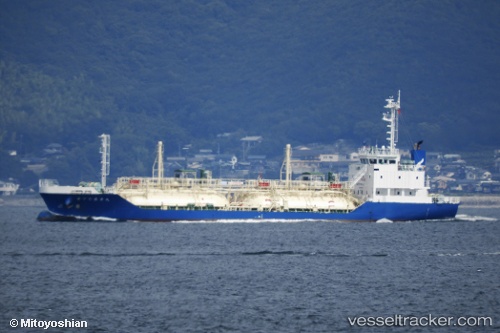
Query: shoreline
(480, 201)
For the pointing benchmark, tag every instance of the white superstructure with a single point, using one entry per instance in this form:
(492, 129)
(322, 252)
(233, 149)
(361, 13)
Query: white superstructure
(383, 176)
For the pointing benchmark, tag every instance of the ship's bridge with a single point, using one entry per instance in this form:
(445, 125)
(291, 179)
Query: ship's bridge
(376, 155)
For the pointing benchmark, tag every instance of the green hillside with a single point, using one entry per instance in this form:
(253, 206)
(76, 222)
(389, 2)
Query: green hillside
(291, 71)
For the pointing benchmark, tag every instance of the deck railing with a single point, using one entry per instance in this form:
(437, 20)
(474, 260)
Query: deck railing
(125, 183)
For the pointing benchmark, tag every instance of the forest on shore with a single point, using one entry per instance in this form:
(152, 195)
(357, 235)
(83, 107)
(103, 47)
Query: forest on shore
(299, 72)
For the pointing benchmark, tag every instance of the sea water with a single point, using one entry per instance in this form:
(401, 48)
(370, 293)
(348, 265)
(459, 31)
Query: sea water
(250, 277)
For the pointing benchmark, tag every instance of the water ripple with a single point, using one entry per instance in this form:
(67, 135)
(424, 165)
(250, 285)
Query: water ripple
(159, 254)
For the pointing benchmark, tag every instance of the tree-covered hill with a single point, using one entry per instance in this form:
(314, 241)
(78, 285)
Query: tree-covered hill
(291, 71)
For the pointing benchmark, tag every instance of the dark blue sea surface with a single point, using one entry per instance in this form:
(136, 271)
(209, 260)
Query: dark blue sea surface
(248, 277)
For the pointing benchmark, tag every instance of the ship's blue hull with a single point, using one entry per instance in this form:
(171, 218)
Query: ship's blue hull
(112, 206)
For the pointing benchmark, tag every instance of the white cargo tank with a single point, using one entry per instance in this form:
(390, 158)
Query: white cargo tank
(175, 198)
(296, 200)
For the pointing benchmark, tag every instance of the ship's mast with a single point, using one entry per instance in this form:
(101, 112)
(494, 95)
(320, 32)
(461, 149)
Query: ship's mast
(288, 165)
(391, 116)
(158, 165)
(105, 157)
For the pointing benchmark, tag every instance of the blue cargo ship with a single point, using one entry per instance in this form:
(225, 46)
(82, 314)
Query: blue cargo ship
(381, 187)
